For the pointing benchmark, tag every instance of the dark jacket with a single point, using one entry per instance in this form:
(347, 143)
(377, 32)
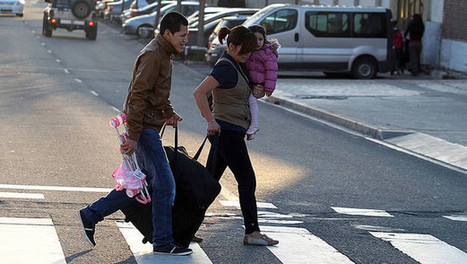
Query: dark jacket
(147, 104)
(416, 28)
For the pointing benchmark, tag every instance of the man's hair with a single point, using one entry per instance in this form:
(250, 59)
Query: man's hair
(173, 21)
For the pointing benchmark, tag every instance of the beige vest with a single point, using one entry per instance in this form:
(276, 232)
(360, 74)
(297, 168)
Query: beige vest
(231, 105)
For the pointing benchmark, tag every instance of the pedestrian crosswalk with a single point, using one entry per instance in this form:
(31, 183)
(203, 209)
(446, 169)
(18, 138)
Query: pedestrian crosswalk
(29, 240)
(297, 244)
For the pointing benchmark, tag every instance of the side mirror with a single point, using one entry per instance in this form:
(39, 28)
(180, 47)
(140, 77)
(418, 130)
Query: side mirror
(48, 1)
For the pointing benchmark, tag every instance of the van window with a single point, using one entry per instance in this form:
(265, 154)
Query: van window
(369, 25)
(280, 21)
(326, 24)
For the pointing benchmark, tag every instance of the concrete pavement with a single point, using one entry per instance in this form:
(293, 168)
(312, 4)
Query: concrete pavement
(421, 116)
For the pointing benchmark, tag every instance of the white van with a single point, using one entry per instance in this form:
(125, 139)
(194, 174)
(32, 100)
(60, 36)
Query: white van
(331, 39)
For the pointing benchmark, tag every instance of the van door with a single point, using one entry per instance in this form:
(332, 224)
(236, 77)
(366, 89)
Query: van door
(282, 25)
(324, 42)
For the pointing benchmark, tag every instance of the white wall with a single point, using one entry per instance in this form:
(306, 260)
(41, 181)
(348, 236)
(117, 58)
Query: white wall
(454, 55)
(368, 3)
(437, 8)
(346, 2)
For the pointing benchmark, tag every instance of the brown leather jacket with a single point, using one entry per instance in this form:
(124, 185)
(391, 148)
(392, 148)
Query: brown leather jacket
(147, 104)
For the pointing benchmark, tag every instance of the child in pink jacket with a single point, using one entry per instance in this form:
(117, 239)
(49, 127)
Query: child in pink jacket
(262, 66)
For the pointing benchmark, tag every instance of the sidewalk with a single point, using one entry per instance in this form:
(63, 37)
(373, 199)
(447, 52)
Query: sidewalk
(426, 117)
(420, 115)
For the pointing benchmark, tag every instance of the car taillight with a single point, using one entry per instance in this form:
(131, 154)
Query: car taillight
(91, 23)
(53, 20)
(133, 14)
(111, 9)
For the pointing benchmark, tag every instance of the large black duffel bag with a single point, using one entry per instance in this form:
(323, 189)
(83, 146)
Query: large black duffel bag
(196, 189)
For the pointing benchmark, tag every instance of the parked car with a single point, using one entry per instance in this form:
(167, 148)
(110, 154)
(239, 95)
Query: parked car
(70, 15)
(215, 49)
(113, 10)
(14, 7)
(130, 13)
(207, 11)
(143, 3)
(132, 25)
(227, 12)
(330, 39)
(211, 26)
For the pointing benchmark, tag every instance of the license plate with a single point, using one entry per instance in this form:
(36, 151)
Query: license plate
(65, 21)
(78, 22)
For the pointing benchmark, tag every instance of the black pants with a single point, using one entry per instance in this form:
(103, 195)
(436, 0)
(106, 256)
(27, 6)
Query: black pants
(229, 149)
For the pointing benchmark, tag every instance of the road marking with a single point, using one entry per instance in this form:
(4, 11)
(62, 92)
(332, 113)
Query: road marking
(237, 204)
(116, 109)
(362, 212)
(54, 188)
(29, 240)
(66, 71)
(457, 217)
(57, 60)
(298, 244)
(78, 80)
(21, 195)
(42, 44)
(425, 249)
(94, 93)
(49, 51)
(143, 252)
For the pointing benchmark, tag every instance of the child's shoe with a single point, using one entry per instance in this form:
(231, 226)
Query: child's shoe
(251, 132)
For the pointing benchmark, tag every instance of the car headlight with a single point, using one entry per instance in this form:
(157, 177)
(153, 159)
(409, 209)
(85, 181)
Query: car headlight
(22, 2)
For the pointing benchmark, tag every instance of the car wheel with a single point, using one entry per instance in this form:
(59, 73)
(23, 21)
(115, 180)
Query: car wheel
(147, 31)
(46, 30)
(91, 33)
(20, 15)
(364, 68)
(81, 9)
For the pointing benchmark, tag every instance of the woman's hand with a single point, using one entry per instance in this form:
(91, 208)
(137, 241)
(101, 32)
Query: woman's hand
(258, 91)
(213, 128)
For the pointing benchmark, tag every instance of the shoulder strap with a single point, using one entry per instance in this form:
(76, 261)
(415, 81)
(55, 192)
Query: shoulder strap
(239, 69)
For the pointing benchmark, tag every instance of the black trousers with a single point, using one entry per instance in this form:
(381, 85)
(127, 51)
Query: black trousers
(229, 149)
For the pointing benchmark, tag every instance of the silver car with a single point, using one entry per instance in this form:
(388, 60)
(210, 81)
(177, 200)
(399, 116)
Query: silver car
(14, 7)
(132, 25)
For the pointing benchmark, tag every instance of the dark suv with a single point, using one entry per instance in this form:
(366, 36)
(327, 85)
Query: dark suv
(70, 15)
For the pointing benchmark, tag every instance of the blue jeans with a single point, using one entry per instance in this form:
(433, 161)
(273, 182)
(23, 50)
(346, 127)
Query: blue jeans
(153, 161)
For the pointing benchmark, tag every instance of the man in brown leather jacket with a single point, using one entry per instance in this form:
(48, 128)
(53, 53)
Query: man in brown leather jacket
(147, 108)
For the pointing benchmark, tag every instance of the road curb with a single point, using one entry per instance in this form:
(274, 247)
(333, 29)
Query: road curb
(339, 120)
(390, 137)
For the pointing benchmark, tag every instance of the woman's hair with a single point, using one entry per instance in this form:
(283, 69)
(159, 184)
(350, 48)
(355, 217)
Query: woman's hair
(417, 20)
(173, 21)
(239, 35)
(259, 29)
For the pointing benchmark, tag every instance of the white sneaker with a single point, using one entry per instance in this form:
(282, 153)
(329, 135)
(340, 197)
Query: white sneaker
(251, 132)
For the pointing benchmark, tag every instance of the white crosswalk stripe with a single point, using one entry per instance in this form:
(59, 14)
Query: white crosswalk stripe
(298, 246)
(425, 249)
(143, 252)
(361, 212)
(38, 234)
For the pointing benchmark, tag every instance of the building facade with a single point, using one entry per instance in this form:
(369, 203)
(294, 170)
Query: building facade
(445, 38)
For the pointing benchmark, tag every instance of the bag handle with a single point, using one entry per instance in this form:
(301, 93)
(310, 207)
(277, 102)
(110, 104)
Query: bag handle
(198, 153)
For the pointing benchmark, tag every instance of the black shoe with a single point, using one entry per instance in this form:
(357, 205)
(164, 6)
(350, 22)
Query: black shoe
(172, 250)
(88, 228)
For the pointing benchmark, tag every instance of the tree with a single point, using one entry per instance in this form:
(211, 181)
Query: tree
(200, 40)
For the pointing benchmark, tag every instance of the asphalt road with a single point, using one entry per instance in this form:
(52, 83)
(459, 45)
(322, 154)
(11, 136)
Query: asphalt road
(56, 95)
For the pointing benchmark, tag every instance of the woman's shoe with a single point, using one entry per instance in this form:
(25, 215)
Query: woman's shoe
(251, 132)
(261, 241)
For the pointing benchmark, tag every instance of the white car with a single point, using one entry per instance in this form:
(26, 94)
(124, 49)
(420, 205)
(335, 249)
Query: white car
(12, 7)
